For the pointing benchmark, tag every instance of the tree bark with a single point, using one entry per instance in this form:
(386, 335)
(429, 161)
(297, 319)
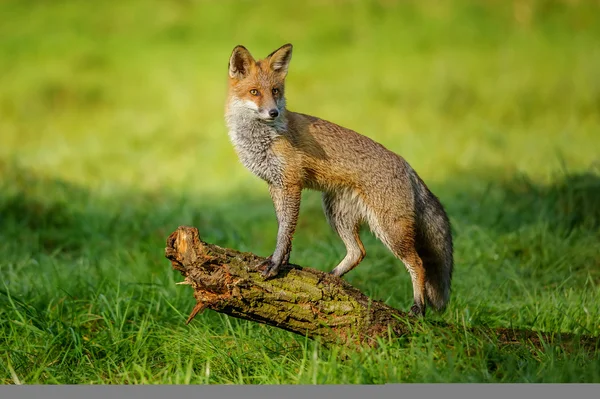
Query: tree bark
(302, 300)
(310, 302)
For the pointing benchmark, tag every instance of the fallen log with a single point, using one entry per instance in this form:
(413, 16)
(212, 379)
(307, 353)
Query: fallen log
(309, 302)
(301, 300)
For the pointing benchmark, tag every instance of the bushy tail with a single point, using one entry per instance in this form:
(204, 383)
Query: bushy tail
(434, 246)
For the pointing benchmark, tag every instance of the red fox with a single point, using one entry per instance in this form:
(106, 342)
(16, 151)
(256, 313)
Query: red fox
(360, 179)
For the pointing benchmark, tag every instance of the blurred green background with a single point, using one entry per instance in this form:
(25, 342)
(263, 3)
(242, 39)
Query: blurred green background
(112, 135)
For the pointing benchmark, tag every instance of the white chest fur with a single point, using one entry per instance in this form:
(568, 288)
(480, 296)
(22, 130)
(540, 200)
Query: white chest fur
(253, 142)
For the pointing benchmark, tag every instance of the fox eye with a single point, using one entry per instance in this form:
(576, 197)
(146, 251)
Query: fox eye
(254, 92)
(275, 90)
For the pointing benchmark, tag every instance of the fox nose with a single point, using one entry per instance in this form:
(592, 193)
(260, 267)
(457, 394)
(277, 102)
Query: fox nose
(273, 113)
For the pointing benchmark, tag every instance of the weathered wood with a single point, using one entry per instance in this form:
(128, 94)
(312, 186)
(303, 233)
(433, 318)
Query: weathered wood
(301, 300)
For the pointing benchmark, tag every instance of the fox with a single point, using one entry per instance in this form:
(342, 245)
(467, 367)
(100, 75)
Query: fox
(361, 181)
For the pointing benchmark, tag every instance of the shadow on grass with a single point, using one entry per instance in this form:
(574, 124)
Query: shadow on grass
(55, 216)
(570, 202)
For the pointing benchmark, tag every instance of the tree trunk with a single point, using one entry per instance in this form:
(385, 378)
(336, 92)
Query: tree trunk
(305, 301)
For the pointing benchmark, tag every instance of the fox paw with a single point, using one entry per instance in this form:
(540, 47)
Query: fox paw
(271, 269)
(417, 311)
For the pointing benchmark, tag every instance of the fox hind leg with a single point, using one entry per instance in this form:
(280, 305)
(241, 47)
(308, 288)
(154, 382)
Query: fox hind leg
(343, 214)
(399, 236)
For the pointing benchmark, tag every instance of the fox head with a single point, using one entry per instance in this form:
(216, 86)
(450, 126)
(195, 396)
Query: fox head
(256, 88)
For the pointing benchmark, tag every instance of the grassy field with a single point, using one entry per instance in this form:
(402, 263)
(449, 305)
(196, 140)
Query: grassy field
(112, 135)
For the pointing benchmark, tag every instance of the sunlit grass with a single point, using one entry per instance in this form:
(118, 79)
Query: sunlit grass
(112, 135)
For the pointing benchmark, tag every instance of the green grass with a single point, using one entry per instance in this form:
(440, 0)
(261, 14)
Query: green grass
(112, 135)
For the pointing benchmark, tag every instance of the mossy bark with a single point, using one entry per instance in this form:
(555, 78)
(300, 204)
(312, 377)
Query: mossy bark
(301, 300)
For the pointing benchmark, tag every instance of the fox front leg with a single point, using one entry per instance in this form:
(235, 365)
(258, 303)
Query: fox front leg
(286, 200)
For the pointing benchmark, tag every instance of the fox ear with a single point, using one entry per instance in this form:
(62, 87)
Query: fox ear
(280, 59)
(239, 62)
